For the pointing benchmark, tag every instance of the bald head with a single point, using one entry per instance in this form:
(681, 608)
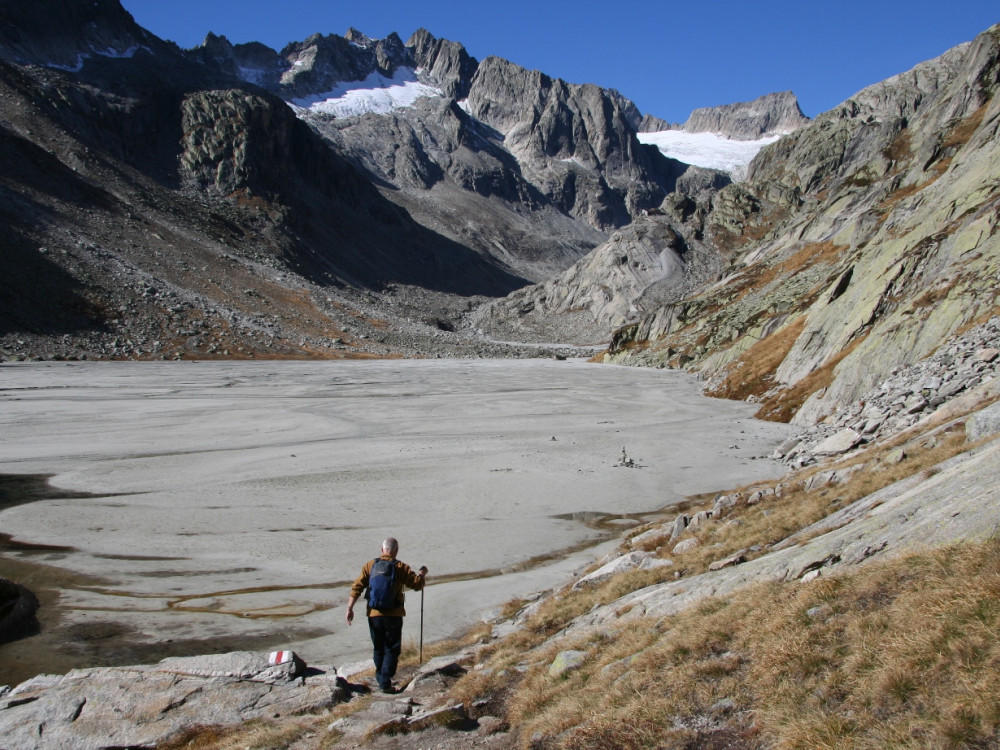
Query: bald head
(390, 546)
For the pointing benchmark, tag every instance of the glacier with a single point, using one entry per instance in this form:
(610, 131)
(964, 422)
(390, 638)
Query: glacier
(709, 150)
(376, 93)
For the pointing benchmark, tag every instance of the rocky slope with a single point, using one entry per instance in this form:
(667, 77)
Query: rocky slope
(155, 208)
(655, 260)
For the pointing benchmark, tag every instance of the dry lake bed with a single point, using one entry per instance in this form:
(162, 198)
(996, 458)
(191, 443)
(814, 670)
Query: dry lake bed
(193, 507)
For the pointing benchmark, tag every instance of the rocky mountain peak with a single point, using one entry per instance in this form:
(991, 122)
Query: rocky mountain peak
(358, 37)
(447, 63)
(64, 33)
(217, 50)
(771, 114)
(313, 66)
(319, 63)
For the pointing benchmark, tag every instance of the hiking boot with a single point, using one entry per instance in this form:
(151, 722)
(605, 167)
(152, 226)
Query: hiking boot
(388, 689)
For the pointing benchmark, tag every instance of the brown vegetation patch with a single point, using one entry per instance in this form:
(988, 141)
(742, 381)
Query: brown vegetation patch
(835, 663)
(959, 135)
(979, 319)
(889, 203)
(903, 659)
(782, 406)
(752, 374)
(257, 734)
(935, 294)
(809, 256)
(899, 653)
(899, 150)
(765, 222)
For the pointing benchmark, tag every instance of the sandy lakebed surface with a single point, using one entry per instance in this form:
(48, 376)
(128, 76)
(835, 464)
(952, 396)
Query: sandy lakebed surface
(194, 507)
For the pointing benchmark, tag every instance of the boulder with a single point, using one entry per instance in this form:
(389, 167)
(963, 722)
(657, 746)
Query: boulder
(449, 665)
(838, 443)
(654, 537)
(631, 561)
(984, 423)
(18, 606)
(700, 518)
(436, 717)
(680, 524)
(685, 546)
(273, 667)
(739, 557)
(652, 563)
(566, 661)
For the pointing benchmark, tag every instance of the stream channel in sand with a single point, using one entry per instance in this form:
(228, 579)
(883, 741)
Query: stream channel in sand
(195, 507)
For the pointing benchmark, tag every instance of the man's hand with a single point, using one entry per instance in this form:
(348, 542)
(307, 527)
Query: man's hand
(423, 571)
(350, 614)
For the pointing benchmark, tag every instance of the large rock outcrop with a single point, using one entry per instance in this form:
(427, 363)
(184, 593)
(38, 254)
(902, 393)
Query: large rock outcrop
(446, 63)
(576, 142)
(659, 258)
(316, 65)
(771, 114)
(143, 706)
(18, 606)
(131, 158)
(64, 34)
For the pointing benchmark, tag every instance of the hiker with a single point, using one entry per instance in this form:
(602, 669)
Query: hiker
(384, 579)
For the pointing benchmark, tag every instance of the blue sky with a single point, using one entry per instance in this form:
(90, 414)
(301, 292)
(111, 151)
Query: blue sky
(668, 57)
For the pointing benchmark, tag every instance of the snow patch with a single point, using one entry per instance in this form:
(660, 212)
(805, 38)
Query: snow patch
(708, 150)
(82, 57)
(252, 75)
(376, 93)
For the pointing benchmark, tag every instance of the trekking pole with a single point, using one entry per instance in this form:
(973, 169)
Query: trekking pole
(421, 626)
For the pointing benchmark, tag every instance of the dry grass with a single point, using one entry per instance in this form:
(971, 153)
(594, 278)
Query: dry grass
(960, 134)
(954, 139)
(934, 295)
(782, 406)
(409, 656)
(908, 656)
(753, 373)
(809, 256)
(899, 149)
(256, 735)
(900, 653)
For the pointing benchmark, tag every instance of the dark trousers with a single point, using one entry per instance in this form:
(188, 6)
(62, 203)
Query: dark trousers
(387, 641)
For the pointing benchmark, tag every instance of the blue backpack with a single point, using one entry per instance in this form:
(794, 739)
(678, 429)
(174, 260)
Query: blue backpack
(381, 583)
